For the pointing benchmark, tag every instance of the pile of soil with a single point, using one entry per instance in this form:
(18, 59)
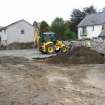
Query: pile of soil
(78, 55)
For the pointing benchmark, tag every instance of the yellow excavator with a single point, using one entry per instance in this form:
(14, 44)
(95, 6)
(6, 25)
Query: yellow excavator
(47, 42)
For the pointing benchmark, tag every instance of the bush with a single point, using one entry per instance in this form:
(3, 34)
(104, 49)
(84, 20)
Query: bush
(70, 35)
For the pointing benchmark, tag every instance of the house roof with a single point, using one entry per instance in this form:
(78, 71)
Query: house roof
(3, 28)
(93, 19)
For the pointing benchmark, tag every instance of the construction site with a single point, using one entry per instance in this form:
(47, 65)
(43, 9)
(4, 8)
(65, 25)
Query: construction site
(28, 77)
(51, 71)
(52, 52)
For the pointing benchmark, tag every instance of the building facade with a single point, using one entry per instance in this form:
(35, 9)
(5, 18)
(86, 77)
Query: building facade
(91, 26)
(19, 32)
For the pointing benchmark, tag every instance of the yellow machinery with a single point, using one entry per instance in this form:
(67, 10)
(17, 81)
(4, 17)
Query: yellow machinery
(47, 42)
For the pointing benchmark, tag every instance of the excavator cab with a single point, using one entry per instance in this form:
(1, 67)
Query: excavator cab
(48, 36)
(47, 40)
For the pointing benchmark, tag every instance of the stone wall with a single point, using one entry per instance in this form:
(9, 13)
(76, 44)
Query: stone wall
(98, 45)
(95, 44)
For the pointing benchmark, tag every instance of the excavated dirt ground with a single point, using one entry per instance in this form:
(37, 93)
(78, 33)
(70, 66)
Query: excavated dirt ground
(78, 55)
(24, 82)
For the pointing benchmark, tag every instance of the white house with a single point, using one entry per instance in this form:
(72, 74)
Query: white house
(20, 31)
(91, 26)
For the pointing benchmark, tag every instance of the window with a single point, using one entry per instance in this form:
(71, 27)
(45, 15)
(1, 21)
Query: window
(80, 32)
(22, 31)
(84, 31)
(0, 38)
(93, 28)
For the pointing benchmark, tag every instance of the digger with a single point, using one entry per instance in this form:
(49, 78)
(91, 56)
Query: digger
(47, 42)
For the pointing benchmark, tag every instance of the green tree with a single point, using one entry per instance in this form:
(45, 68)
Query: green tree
(62, 29)
(69, 34)
(71, 25)
(58, 27)
(77, 15)
(44, 27)
(89, 10)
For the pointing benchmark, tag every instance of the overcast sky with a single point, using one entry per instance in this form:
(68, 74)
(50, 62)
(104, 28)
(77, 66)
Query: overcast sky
(30, 10)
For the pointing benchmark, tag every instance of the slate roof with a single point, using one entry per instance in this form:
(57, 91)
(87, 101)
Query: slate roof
(93, 19)
(3, 28)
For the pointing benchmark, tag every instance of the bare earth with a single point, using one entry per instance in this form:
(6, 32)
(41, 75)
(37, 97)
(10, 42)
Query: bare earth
(24, 82)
